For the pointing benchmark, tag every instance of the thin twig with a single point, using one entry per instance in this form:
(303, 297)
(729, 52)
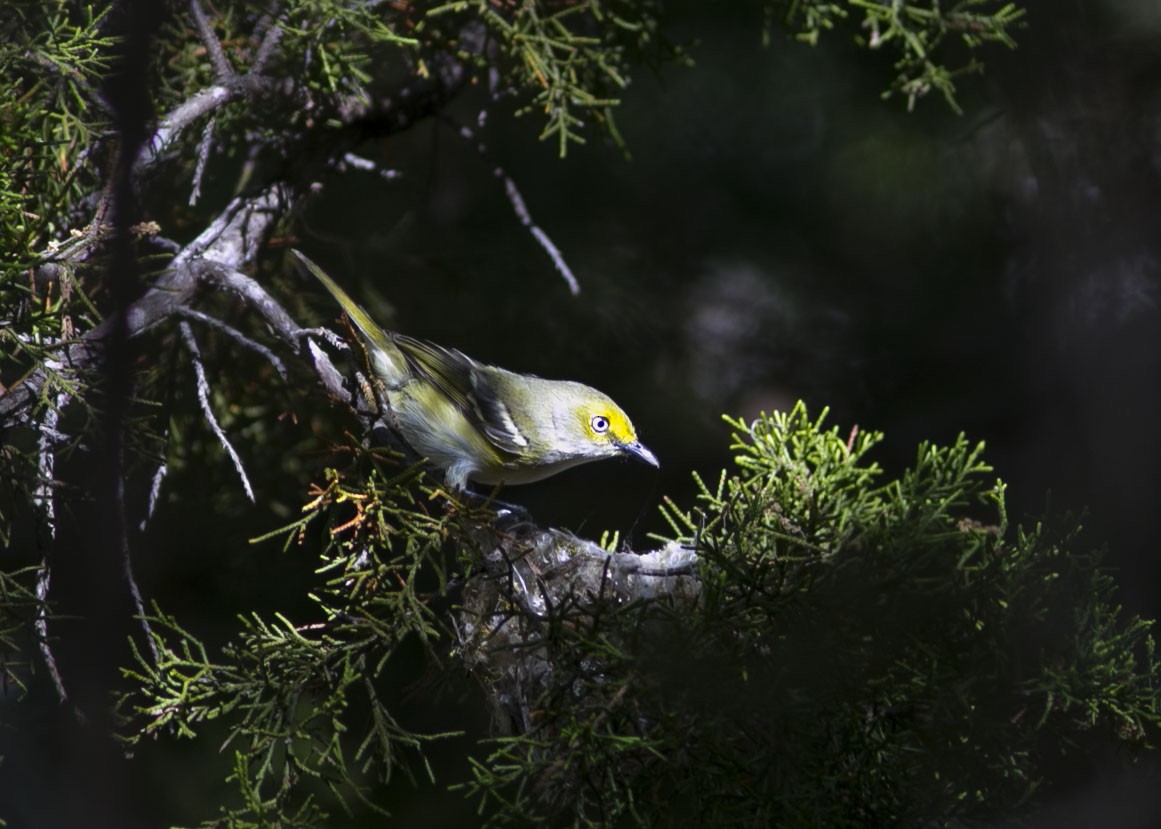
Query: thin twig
(43, 583)
(154, 492)
(177, 119)
(205, 146)
(330, 337)
(518, 206)
(267, 47)
(203, 388)
(331, 377)
(127, 559)
(366, 164)
(47, 441)
(256, 297)
(222, 69)
(238, 337)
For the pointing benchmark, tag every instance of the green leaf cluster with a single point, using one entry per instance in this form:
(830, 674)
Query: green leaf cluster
(860, 649)
(52, 120)
(19, 606)
(53, 139)
(571, 60)
(303, 702)
(864, 651)
(916, 32)
(51, 61)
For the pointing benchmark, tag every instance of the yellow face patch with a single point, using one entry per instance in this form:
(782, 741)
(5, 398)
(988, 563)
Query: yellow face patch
(607, 422)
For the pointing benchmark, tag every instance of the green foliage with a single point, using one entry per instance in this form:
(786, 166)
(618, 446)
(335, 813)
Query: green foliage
(343, 42)
(916, 31)
(51, 60)
(573, 58)
(864, 652)
(52, 127)
(861, 650)
(303, 702)
(19, 606)
(51, 57)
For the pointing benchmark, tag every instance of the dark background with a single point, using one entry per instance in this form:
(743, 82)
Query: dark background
(780, 233)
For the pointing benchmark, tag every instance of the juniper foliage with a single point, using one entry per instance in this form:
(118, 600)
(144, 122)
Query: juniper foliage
(849, 648)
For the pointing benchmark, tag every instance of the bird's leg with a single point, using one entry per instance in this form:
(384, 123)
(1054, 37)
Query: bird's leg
(507, 514)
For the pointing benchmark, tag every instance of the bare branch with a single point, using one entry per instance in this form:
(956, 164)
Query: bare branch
(48, 438)
(232, 239)
(230, 242)
(282, 323)
(519, 207)
(203, 388)
(268, 45)
(236, 335)
(222, 69)
(526, 573)
(360, 163)
(43, 583)
(154, 492)
(205, 146)
(330, 376)
(229, 85)
(171, 126)
(330, 337)
(127, 560)
(540, 236)
(45, 501)
(167, 245)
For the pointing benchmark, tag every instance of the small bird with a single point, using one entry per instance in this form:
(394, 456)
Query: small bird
(483, 423)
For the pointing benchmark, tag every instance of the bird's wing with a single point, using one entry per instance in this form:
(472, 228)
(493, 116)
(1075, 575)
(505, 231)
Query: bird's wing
(467, 384)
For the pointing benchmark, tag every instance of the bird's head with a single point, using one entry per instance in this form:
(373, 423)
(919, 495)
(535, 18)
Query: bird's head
(604, 430)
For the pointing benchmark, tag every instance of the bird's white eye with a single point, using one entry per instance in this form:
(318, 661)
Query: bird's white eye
(600, 423)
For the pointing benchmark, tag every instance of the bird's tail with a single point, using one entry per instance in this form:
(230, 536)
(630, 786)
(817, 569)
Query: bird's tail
(382, 349)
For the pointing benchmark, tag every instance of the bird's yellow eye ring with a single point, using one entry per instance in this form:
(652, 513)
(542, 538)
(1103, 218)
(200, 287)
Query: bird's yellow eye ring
(600, 423)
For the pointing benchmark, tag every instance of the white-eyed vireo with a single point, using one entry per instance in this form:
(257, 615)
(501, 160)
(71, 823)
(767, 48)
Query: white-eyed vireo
(481, 422)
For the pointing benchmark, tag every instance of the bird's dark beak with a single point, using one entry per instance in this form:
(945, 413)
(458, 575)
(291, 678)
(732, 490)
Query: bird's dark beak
(638, 450)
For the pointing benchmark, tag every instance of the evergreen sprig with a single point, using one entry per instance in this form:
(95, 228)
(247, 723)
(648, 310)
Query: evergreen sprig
(860, 648)
(302, 702)
(917, 33)
(863, 651)
(19, 605)
(51, 119)
(574, 59)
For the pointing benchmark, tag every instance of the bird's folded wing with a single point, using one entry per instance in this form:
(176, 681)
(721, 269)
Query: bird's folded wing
(466, 384)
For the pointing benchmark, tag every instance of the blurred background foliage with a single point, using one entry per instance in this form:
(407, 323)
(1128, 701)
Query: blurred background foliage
(780, 232)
